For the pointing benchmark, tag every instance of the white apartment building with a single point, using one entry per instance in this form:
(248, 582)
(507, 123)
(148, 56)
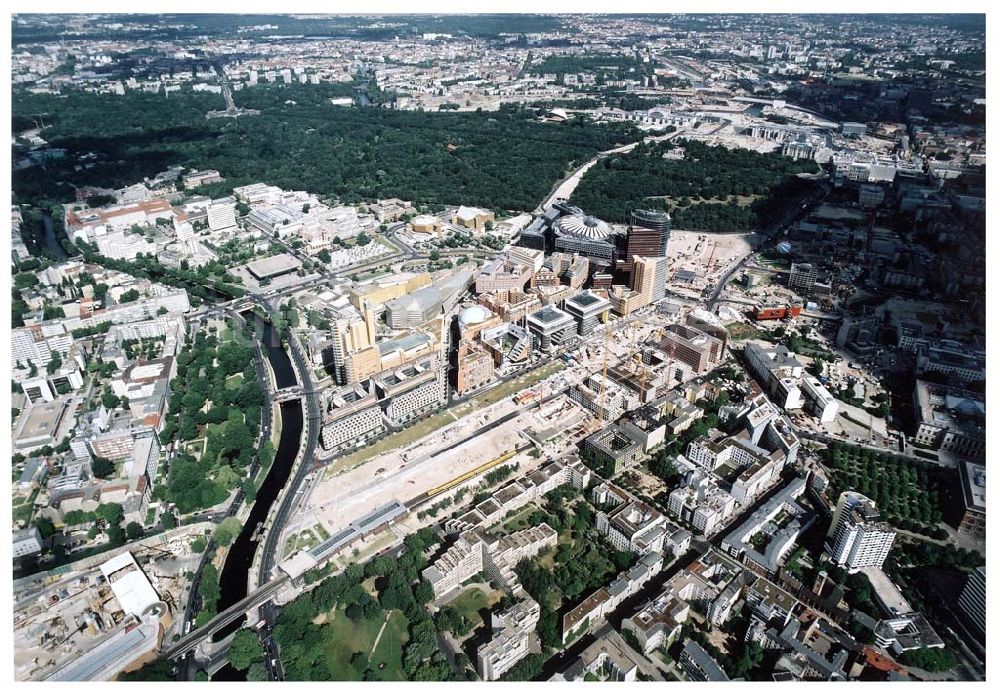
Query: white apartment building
(512, 630)
(702, 504)
(857, 539)
(222, 215)
(27, 543)
(821, 402)
(473, 552)
(778, 372)
(122, 245)
(413, 389)
(353, 418)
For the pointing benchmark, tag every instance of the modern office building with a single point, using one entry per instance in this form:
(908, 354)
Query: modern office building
(551, 326)
(649, 277)
(857, 539)
(503, 274)
(475, 366)
(588, 309)
(643, 243)
(802, 277)
(429, 302)
(605, 398)
(588, 236)
(972, 601)
(699, 350)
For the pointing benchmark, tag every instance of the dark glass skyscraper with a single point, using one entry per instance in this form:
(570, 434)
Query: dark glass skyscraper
(644, 221)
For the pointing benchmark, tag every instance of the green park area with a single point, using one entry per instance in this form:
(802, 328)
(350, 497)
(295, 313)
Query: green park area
(464, 614)
(214, 414)
(910, 495)
(364, 644)
(708, 188)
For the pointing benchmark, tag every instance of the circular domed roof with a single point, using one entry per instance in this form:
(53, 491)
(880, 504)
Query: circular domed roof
(472, 315)
(584, 226)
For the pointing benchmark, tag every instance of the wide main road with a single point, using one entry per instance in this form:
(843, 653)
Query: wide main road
(792, 211)
(563, 190)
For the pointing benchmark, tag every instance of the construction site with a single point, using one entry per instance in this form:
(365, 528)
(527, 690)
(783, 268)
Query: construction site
(699, 260)
(458, 455)
(104, 614)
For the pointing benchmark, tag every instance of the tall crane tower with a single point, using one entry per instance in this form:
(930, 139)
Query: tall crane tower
(602, 409)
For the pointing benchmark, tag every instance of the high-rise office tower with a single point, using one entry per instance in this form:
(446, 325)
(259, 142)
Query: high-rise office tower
(644, 221)
(973, 599)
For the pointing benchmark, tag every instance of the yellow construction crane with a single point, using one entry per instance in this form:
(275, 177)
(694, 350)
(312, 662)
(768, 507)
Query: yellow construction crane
(604, 379)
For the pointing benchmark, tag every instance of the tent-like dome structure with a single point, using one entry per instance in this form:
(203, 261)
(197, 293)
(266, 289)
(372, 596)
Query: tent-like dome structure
(584, 226)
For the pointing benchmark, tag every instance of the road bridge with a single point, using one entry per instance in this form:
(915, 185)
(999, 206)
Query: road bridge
(252, 601)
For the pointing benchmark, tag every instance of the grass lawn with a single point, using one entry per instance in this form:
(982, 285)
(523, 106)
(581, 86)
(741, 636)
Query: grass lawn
(744, 331)
(234, 381)
(23, 512)
(470, 602)
(495, 395)
(302, 540)
(519, 521)
(219, 428)
(346, 637)
(195, 447)
(434, 422)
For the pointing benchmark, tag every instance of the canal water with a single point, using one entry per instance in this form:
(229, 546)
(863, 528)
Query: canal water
(235, 573)
(49, 240)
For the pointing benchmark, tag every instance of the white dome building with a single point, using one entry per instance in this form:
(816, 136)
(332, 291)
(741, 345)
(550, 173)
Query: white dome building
(473, 315)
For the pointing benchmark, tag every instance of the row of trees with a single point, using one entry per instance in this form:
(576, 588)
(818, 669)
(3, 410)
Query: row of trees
(901, 488)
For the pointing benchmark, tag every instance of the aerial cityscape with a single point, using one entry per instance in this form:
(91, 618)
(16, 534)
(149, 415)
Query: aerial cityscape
(548, 347)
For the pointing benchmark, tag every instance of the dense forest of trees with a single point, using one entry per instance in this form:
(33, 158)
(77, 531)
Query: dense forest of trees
(504, 160)
(644, 178)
